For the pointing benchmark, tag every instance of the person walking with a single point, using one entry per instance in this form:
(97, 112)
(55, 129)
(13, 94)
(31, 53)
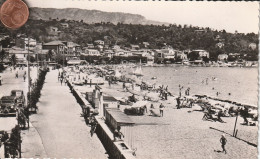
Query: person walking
(0, 80)
(24, 77)
(61, 80)
(223, 142)
(161, 109)
(16, 74)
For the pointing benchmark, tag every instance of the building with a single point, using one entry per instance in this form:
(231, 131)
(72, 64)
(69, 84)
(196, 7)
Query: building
(109, 53)
(100, 48)
(53, 31)
(30, 44)
(252, 46)
(57, 46)
(202, 53)
(20, 54)
(220, 45)
(64, 25)
(222, 57)
(135, 47)
(91, 52)
(121, 52)
(99, 42)
(90, 46)
(146, 44)
(181, 55)
(116, 47)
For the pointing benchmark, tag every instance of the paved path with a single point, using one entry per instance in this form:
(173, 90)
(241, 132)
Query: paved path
(63, 132)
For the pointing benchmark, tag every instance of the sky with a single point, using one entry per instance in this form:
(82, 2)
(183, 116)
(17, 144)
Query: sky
(231, 16)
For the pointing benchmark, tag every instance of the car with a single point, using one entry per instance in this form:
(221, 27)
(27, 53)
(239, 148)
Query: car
(19, 95)
(8, 104)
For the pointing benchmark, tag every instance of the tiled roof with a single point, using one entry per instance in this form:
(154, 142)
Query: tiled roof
(54, 43)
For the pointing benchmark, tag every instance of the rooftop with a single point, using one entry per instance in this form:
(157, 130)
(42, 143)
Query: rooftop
(54, 43)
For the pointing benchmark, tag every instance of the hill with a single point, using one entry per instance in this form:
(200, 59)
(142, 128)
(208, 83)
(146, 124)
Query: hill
(89, 16)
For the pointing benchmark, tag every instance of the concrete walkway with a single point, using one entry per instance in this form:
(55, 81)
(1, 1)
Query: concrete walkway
(63, 132)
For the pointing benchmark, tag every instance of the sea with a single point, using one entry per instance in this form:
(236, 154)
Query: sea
(228, 83)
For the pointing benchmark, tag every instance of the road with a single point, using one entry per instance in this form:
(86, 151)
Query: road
(63, 132)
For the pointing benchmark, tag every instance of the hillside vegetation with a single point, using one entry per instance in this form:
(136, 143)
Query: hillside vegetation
(179, 37)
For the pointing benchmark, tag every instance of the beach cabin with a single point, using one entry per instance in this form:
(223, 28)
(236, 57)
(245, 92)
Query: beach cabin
(116, 119)
(110, 102)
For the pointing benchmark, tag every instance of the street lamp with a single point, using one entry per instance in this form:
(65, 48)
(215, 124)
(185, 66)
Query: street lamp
(29, 82)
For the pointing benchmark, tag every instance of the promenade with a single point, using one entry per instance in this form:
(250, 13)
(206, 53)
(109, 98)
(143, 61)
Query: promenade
(63, 132)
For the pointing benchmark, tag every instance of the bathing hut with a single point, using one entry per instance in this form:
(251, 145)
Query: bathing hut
(115, 119)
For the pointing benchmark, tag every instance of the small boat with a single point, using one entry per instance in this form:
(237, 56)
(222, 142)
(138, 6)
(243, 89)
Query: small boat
(154, 78)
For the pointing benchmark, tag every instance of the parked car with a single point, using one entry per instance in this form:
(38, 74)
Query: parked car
(8, 104)
(19, 95)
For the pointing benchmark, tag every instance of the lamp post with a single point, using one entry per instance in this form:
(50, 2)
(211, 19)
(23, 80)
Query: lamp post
(29, 82)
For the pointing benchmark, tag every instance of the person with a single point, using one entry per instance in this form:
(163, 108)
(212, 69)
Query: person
(123, 85)
(24, 77)
(178, 102)
(16, 74)
(152, 106)
(165, 95)
(161, 109)
(117, 133)
(90, 83)
(0, 80)
(219, 116)
(244, 114)
(188, 91)
(65, 81)
(223, 142)
(59, 76)
(61, 80)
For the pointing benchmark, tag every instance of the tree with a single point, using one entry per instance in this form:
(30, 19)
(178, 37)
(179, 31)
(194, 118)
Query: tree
(50, 55)
(3, 55)
(59, 58)
(32, 59)
(13, 59)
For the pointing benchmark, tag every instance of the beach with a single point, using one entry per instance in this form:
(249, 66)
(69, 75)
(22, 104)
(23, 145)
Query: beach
(181, 133)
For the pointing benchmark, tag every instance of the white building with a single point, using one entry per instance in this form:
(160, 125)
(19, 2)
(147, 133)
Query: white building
(252, 46)
(202, 53)
(30, 43)
(99, 42)
(91, 52)
(222, 57)
(20, 54)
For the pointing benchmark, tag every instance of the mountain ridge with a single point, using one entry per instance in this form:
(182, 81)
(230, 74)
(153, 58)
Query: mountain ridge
(90, 16)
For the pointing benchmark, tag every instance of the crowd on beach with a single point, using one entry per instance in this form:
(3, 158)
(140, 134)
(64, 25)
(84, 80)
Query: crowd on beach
(149, 92)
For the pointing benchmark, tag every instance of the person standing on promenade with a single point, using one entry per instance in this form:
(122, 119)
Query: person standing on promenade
(178, 102)
(161, 109)
(59, 76)
(61, 80)
(223, 142)
(24, 77)
(16, 74)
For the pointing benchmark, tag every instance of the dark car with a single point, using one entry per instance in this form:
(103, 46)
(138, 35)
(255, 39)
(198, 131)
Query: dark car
(8, 104)
(19, 95)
